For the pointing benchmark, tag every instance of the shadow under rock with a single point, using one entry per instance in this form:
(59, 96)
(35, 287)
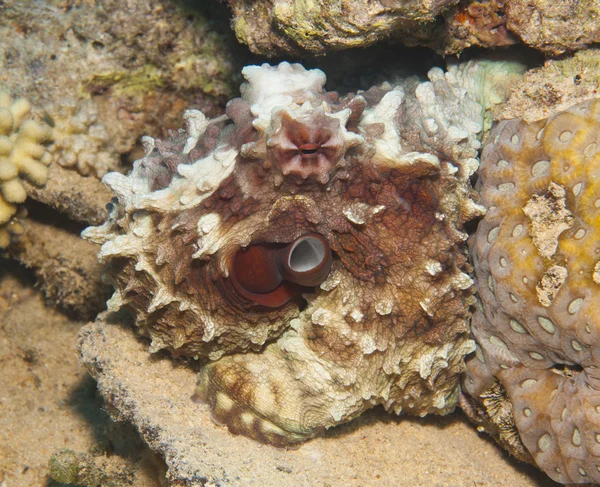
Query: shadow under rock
(24, 276)
(112, 438)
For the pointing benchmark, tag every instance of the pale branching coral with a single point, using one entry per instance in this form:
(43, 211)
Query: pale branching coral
(324, 233)
(81, 142)
(12, 229)
(537, 256)
(22, 155)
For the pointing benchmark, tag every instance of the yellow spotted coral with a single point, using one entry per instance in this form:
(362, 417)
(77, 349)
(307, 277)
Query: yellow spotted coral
(22, 154)
(537, 259)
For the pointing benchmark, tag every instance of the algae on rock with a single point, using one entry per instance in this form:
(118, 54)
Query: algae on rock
(275, 27)
(138, 64)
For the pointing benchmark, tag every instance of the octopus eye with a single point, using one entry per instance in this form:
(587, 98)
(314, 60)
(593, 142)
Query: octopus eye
(272, 275)
(307, 261)
(256, 269)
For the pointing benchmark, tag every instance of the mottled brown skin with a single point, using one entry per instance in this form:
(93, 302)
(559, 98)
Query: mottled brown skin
(368, 256)
(365, 253)
(387, 325)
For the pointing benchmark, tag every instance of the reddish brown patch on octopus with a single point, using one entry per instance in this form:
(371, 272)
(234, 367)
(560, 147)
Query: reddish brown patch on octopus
(307, 147)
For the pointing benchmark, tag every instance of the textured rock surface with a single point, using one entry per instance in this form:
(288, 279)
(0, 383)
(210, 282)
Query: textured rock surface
(381, 178)
(153, 393)
(139, 64)
(537, 254)
(295, 27)
(554, 27)
(554, 87)
(47, 239)
(275, 27)
(77, 198)
(65, 266)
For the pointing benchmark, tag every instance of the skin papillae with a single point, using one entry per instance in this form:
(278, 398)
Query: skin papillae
(537, 261)
(379, 184)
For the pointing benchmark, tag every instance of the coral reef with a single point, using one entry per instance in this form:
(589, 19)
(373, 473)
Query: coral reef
(22, 155)
(537, 261)
(139, 64)
(274, 27)
(323, 232)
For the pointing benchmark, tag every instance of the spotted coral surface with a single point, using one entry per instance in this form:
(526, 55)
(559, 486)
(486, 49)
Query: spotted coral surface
(22, 155)
(537, 261)
(321, 233)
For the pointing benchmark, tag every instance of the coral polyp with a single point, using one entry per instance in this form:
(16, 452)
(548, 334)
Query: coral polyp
(323, 233)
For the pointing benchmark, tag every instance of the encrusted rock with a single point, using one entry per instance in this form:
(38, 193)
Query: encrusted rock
(139, 64)
(292, 26)
(554, 27)
(272, 27)
(554, 87)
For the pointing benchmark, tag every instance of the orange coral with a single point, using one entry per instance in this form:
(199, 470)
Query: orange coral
(536, 254)
(481, 24)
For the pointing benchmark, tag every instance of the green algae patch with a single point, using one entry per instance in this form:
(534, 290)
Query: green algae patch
(83, 469)
(141, 81)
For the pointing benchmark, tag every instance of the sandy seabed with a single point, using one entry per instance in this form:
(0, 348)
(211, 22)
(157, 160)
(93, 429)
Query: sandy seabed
(49, 402)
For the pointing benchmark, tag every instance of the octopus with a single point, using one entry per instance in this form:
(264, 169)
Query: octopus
(307, 248)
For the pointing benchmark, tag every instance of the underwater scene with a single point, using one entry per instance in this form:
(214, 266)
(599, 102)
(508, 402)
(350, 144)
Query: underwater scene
(304, 243)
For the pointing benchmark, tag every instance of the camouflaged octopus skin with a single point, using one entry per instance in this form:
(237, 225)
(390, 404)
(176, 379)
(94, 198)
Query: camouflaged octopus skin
(373, 187)
(535, 377)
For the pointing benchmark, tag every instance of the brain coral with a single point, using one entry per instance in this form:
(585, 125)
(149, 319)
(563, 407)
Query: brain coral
(21, 155)
(537, 260)
(323, 232)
